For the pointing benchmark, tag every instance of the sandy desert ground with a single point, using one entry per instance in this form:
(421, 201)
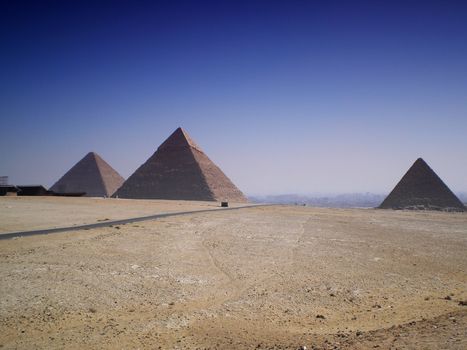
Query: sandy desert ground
(34, 213)
(263, 277)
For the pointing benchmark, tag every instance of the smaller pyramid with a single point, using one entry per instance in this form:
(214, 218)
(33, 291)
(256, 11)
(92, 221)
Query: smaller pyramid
(420, 188)
(91, 175)
(180, 170)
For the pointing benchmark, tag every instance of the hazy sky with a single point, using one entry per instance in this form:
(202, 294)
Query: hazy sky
(285, 96)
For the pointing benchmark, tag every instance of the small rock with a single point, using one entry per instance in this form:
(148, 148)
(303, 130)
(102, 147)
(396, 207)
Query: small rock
(321, 317)
(447, 297)
(463, 303)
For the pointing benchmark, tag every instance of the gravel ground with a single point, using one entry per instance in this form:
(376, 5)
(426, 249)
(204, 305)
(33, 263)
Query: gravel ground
(265, 277)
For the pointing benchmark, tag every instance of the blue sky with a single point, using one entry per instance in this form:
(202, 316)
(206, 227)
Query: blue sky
(285, 96)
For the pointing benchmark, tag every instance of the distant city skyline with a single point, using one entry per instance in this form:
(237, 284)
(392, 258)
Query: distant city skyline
(285, 97)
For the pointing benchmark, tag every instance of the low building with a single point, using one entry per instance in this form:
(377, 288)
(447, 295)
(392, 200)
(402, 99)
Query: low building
(8, 190)
(33, 190)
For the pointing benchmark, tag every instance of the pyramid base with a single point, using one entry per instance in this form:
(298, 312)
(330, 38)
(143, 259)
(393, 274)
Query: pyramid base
(426, 207)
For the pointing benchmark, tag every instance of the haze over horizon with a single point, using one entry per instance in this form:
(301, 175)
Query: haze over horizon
(285, 97)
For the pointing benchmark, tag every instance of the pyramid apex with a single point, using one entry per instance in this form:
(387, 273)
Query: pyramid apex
(91, 154)
(182, 131)
(179, 138)
(420, 163)
(420, 159)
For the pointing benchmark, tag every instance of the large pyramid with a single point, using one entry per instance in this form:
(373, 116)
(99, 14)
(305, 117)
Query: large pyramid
(421, 188)
(179, 169)
(91, 175)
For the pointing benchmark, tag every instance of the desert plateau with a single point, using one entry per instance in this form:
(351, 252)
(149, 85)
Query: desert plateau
(264, 277)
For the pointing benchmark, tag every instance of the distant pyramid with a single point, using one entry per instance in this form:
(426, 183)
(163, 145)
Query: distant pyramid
(179, 169)
(91, 175)
(421, 188)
